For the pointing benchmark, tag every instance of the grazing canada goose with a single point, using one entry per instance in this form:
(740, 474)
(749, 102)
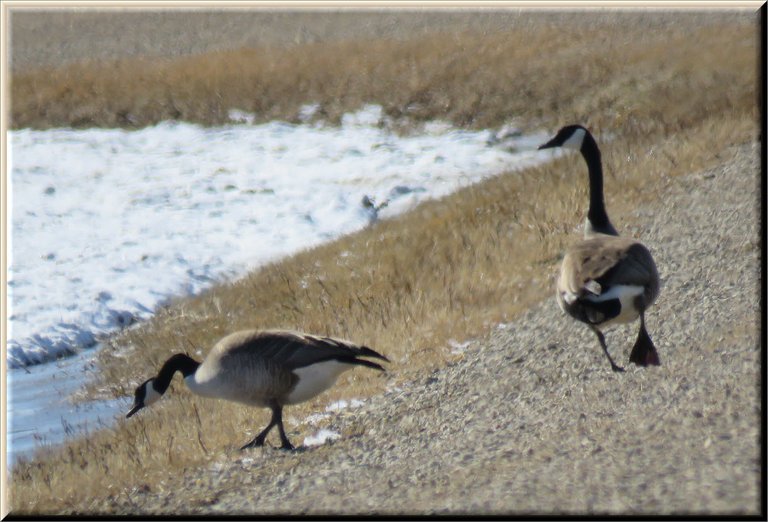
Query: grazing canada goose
(269, 368)
(605, 279)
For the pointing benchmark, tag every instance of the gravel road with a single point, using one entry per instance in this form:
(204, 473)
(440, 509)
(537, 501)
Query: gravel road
(532, 419)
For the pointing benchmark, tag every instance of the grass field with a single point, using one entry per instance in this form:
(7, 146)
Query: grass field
(672, 97)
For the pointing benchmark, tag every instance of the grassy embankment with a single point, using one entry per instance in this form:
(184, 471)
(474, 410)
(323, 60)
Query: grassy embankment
(672, 99)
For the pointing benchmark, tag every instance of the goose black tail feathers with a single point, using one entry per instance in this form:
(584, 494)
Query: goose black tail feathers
(361, 362)
(367, 352)
(364, 351)
(644, 352)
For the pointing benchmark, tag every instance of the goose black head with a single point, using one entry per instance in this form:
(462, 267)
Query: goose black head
(569, 137)
(145, 395)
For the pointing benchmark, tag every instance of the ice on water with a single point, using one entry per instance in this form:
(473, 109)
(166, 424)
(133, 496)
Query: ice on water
(107, 224)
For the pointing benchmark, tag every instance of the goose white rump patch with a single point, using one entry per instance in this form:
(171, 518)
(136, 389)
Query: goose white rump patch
(626, 295)
(315, 379)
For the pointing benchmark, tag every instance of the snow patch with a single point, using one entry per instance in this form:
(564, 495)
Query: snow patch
(457, 347)
(314, 418)
(106, 225)
(341, 404)
(238, 116)
(308, 111)
(321, 437)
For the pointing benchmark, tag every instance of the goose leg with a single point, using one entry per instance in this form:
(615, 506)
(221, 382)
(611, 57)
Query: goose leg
(600, 337)
(277, 412)
(259, 439)
(277, 420)
(644, 352)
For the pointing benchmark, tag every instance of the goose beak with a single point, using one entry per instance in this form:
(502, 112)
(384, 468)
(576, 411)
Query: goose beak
(548, 145)
(136, 407)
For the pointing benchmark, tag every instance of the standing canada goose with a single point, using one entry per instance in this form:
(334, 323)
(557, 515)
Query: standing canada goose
(605, 279)
(269, 369)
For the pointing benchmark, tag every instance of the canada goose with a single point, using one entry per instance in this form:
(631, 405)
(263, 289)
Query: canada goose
(269, 369)
(605, 279)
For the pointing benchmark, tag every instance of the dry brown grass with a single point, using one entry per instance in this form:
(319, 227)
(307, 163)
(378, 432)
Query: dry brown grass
(450, 268)
(608, 77)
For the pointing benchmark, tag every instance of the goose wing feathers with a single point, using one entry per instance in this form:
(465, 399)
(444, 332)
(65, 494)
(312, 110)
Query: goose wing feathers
(608, 261)
(292, 350)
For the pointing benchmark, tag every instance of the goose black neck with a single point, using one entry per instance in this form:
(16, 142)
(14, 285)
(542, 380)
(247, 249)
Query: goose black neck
(597, 215)
(178, 363)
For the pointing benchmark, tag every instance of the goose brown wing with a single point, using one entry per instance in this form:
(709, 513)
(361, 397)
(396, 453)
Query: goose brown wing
(603, 259)
(292, 350)
(635, 268)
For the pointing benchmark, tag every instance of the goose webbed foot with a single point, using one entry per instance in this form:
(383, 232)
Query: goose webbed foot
(644, 352)
(277, 420)
(255, 443)
(259, 439)
(259, 442)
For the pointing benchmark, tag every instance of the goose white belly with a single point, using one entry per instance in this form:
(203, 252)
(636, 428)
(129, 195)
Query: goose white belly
(315, 379)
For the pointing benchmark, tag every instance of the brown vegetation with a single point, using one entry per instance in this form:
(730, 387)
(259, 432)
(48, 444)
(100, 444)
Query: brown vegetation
(607, 78)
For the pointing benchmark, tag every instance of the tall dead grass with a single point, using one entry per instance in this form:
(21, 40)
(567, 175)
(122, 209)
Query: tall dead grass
(451, 268)
(606, 76)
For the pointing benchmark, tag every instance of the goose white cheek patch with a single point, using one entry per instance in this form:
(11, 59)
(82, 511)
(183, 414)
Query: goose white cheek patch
(151, 395)
(575, 141)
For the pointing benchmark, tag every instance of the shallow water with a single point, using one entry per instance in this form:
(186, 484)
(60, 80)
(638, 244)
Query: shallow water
(41, 409)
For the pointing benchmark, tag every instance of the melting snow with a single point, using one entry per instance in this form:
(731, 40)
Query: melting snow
(457, 347)
(321, 437)
(314, 418)
(108, 224)
(341, 404)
